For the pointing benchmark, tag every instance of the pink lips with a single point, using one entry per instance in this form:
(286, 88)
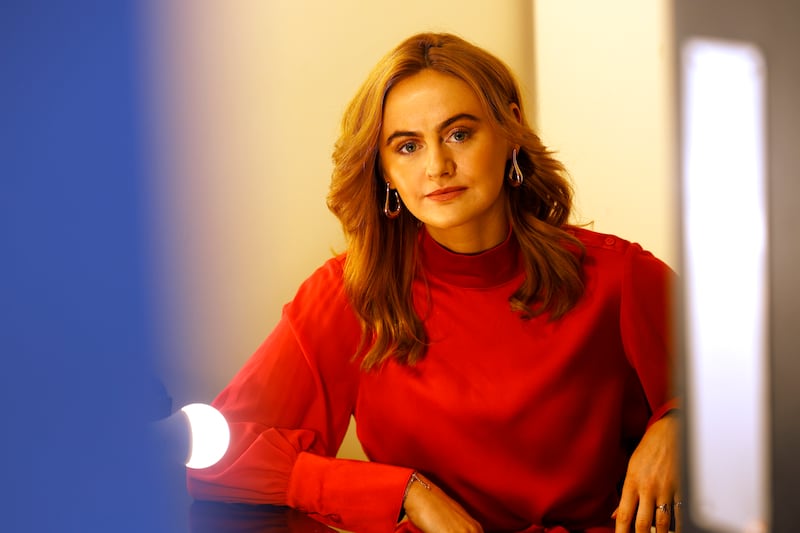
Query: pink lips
(445, 194)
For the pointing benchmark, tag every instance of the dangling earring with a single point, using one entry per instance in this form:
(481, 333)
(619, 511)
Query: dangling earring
(387, 210)
(515, 177)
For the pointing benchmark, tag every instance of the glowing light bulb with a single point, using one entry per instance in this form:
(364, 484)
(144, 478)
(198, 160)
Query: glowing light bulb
(210, 435)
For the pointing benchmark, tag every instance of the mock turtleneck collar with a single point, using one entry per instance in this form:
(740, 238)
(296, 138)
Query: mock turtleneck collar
(486, 269)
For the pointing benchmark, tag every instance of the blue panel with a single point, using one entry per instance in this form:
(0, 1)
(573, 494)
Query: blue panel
(76, 337)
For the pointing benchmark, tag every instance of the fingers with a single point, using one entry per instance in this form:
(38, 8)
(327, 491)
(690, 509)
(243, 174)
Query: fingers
(663, 517)
(662, 520)
(644, 516)
(649, 516)
(640, 512)
(626, 512)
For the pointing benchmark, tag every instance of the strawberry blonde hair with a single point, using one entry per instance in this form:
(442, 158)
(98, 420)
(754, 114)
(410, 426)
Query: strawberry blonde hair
(381, 259)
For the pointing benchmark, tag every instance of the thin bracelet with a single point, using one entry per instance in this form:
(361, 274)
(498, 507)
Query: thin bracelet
(414, 477)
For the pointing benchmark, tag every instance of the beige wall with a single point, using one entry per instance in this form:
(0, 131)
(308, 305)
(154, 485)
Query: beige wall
(604, 96)
(247, 100)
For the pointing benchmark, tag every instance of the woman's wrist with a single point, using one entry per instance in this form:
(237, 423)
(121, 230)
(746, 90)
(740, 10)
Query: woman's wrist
(415, 478)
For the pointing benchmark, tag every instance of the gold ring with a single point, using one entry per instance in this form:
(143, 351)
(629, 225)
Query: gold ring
(663, 507)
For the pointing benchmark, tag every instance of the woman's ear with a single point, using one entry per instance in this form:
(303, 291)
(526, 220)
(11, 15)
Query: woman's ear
(516, 111)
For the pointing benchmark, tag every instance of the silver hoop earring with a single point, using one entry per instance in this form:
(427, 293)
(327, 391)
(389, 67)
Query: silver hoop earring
(515, 177)
(387, 210)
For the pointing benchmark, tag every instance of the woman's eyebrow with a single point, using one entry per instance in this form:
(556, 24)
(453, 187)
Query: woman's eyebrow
(439, 128)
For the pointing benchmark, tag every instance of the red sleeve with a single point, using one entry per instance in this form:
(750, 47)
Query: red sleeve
(645, 321)
(288, 409)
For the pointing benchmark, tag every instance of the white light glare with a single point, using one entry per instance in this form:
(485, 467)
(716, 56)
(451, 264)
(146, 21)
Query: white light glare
(210, 435)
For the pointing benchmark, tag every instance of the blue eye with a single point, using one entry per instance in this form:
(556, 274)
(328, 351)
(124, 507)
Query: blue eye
(460, 135)
(407, 148)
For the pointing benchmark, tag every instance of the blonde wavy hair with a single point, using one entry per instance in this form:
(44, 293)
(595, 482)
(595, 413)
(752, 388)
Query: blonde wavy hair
(381, 259)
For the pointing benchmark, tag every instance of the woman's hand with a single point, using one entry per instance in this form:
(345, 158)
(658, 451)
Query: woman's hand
(431, 510)
(651, 485)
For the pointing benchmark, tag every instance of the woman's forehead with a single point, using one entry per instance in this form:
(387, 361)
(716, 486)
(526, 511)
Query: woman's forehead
(428, 98)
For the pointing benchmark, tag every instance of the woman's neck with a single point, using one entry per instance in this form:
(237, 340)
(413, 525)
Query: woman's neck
(469, 240)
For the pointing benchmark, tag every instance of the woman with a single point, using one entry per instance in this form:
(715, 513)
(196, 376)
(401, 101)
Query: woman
(507, 372)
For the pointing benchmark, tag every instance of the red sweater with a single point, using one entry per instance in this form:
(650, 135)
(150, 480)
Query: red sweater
(526, 423)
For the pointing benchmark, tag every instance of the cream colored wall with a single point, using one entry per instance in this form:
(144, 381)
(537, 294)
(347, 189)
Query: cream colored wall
(247, 101)
(604, 95)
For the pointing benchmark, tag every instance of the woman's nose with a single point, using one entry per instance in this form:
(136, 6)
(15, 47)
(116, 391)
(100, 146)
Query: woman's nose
(439, 163)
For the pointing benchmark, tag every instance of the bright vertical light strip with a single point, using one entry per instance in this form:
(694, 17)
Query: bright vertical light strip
(725, 250)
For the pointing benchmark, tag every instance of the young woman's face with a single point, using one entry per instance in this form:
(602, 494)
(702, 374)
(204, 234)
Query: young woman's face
(446, 158)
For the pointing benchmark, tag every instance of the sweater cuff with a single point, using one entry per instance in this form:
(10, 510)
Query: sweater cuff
(664, 410)
(355, 495)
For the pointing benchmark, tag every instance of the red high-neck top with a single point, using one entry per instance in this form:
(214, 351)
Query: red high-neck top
(527, 423)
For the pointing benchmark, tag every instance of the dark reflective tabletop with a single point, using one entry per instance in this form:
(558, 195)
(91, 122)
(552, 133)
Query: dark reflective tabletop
(216, 517)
